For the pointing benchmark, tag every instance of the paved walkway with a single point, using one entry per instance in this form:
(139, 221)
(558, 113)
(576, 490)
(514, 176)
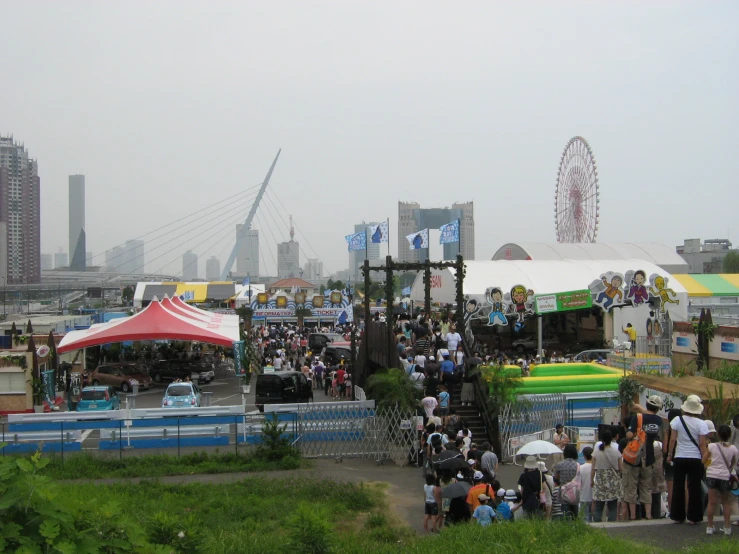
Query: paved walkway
(405, 491)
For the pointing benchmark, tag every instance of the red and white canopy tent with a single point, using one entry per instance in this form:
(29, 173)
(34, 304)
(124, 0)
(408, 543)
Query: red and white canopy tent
(165, 320)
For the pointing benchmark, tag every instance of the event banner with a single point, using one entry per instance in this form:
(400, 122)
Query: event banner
(563, 301)
(239, 357)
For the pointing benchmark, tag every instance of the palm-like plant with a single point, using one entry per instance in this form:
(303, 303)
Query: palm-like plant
(301, 313)
(389, 387)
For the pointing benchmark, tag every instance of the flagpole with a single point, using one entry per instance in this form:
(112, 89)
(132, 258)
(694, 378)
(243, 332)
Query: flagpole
(459, 232)
(388, 236)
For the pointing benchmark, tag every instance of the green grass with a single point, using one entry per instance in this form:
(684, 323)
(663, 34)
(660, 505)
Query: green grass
(90, 466)
(262, 516)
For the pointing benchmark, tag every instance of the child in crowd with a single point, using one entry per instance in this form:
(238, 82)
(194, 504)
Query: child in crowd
(586, 492)
(557, 512)
(514, 500)
(484, 514)
(432, 496)
(501, 506)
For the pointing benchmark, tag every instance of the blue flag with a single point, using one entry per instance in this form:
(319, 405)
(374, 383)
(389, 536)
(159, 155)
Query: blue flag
(406, 291)
(357, 241)
(246, 282)
(379, 232)
(449, 232)
(418, 240)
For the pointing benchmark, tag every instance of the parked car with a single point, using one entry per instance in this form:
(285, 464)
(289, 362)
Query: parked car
(282, 387)
(181, 395)
(530, 344)
(99, 398)
(334, 354)
(589, 355)
(120, 376)
(172, 370)
(317, 341)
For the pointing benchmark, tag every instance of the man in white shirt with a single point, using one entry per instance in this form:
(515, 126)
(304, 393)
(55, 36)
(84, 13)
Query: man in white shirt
(453, 339)
(277, 363)
(429, 405)
(421, 361)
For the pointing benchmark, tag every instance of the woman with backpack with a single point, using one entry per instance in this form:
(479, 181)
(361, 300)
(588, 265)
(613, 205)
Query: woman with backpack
(565, 472)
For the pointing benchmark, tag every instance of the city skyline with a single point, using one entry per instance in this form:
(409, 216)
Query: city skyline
(426, 124)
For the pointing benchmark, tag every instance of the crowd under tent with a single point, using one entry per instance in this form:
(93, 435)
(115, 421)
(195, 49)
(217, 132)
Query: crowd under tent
(565, 296)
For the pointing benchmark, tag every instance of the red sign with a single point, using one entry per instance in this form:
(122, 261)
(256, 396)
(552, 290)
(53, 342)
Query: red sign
(436, 281)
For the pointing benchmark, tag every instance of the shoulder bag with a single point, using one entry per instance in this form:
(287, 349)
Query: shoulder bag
(734, 482)
(570, 492)
(690, 436)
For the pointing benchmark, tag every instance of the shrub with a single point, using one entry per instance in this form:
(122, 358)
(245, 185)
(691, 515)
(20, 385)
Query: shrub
(310, 530)
(182, 533)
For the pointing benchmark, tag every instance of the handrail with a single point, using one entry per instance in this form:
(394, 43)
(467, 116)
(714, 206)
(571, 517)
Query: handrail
(481, 399)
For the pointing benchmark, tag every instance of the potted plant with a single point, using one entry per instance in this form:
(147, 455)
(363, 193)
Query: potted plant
(37, 385)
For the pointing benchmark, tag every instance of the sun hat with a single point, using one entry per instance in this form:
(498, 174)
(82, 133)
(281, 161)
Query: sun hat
(711, 426)
(655, 399)
(471, 462)
(478, 476)
(501, 492)
(483, 496)
(431, 358)
(460, 476)
(510, 494)
(543, 467)
(692, 405)
(531, 463)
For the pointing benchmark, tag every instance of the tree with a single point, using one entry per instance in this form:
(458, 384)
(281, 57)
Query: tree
(389, 387)
(731, 263)
(503, 385)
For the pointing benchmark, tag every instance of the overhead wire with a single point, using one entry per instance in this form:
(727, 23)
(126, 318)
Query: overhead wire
(199, 211)
(264, 226)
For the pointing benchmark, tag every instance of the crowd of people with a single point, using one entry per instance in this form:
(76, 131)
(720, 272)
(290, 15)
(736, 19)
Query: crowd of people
(622, 477)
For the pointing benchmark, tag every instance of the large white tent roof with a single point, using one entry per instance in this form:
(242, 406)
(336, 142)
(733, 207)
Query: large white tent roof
(658, 254)
(543, 277)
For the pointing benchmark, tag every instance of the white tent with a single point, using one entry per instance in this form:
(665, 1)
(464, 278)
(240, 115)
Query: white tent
(242, 299)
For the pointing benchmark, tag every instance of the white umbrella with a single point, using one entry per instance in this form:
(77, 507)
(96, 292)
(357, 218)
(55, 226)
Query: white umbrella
(538, 448)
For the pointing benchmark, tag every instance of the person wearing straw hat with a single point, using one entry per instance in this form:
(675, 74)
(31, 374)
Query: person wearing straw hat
(688, 443)
(530, 483)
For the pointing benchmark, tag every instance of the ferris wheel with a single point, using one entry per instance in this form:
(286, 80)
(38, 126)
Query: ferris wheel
(576, 196)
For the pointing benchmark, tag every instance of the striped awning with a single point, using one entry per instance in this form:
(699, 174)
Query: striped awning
(710, 284)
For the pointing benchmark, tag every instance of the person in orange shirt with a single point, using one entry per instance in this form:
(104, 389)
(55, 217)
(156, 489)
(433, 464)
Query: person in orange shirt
(479, 487)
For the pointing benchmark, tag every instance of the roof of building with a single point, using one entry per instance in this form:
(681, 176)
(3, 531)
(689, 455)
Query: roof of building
(292, 282)
(658, 254)
(726, 284)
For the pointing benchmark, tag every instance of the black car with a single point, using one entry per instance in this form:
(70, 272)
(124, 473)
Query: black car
(171, 370)
(282, 387)
(334, 354)
(316, 341)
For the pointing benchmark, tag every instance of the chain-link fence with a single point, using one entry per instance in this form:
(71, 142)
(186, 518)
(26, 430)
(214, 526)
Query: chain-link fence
(356, 430)
(532, 415)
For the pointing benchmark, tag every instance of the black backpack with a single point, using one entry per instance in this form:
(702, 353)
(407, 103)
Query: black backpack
(435, 440)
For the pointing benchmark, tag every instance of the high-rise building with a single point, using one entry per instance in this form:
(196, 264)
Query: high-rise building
(20, 214)
(212, 269)
(356, 257)
(61, 259)
(47, 262)
(313, 270)
(288, 260)
(133, 257)
(114, 259)
(707, 257)
(412, 218)
(189, 266)
(77, 237)
(247, 258)
(88, 259)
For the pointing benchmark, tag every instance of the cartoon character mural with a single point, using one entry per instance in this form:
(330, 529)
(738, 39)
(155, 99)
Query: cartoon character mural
(496, 315)
(659, 290)
(608, 292)
(521, 304)
(637, 293)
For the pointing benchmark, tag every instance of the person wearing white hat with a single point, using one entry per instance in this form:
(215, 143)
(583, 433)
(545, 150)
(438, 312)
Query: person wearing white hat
(688, 442)
(711, 431)
(530, 483)
(548, 484)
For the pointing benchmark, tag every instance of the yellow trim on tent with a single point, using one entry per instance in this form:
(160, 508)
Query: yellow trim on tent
(693, 287)
(732, 278)
(199, 291)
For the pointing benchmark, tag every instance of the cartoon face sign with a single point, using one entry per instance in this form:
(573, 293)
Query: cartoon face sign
(520, 304)
(262, 298)
(318, 301)
(281, 301)
(300, 298)
(497, 307)
(336, 297)
(636, 290)
(608, 291)
(659, 289)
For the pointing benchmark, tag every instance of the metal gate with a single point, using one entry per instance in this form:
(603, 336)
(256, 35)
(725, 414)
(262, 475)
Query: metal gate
(355, 430)
(530, 415)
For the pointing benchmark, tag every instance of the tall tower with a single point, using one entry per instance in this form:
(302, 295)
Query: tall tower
(189, 266)
(212, 269)
(77, 237)
(288, 256)
(20, 214)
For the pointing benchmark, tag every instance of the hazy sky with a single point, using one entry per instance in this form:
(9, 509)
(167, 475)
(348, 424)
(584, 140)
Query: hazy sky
(168, 107)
